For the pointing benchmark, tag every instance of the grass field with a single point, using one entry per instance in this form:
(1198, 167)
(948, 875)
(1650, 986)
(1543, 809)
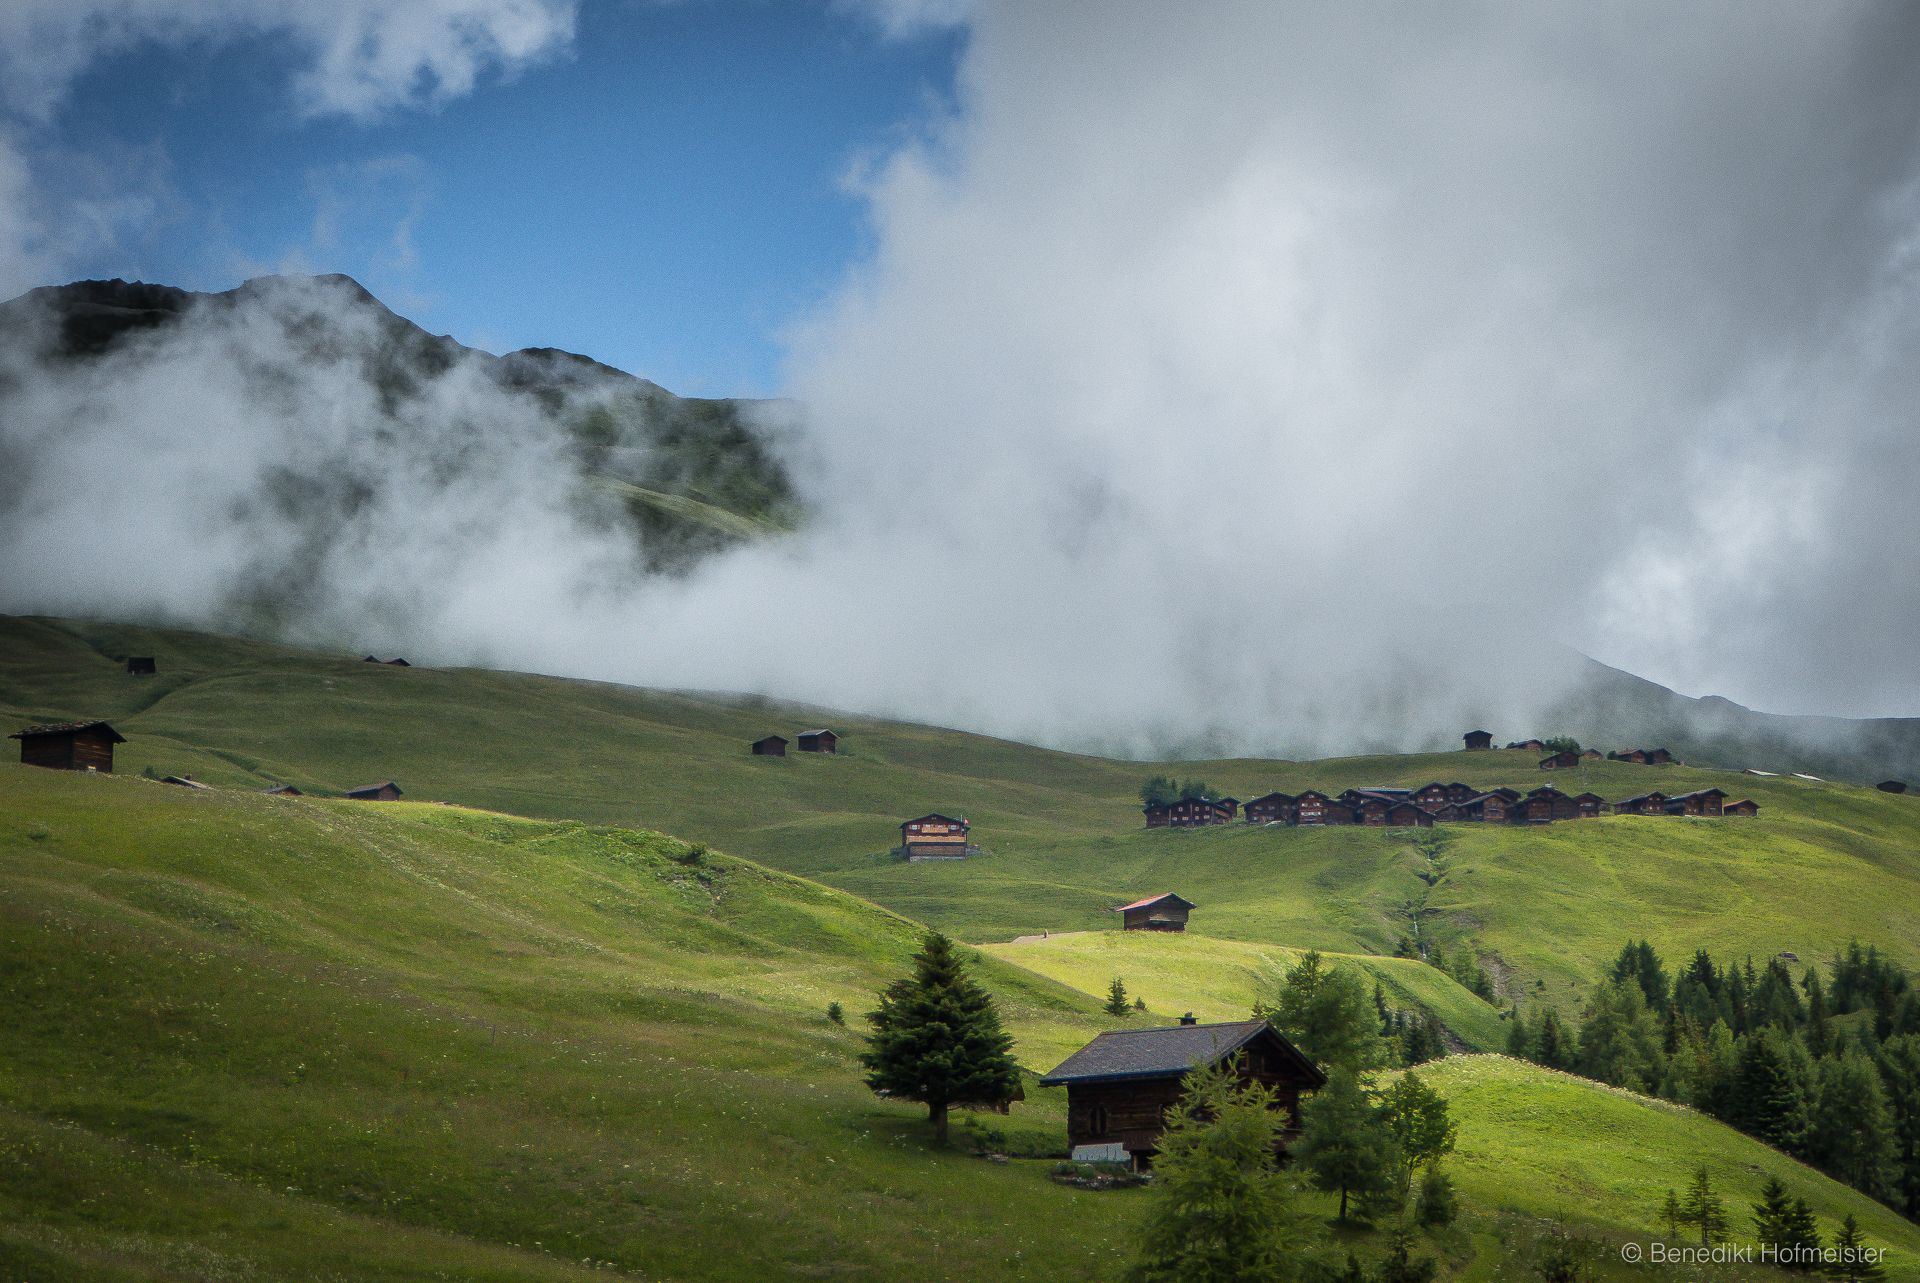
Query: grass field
(1544, 907)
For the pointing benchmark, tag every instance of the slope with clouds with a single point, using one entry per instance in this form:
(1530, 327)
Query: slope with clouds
(1289, 381)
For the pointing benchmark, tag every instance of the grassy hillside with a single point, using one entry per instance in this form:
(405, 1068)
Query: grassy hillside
(260, 1037)
(1545, 907)
(1221, 979)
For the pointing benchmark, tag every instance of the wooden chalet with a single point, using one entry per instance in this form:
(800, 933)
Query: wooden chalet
(1745, 808)
(1661, 757)
(1478, 741)
(1637, 756)
(386, 792)
(1512, 795)
(1368, 808)
(1449, 813)
(769, 746)
(1271, 808)
(1892, 786)
(934, 837)
(1121, 1085)
(1315, 807)
(1155, 913)
(819, 741)
(141, 665)
(1699, 802)
(1589, 805)
(1562, 761)
(1591, 755)
(1403, 815)
(1643, 804)
(1190, 813)
(1438, 794)
(1488, 808)
(283, 790)
(69, 746)
(1536, 807)
(1531, 746)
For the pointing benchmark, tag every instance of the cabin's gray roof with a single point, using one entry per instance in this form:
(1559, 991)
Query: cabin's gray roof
(65, 728)
(1153, 1053)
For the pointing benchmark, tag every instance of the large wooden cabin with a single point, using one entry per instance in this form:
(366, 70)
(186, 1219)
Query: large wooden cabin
(1478, 741)
(1314, 807)
(1190, 812)
(819, 741)
(141, 665)
(1699, 802)
(1155, 913)
(1531, 746)
(934, 837)
(1271, 808)
(1488, 808)
(1642, 804)
(385, 792)
(69, 746)
(1403, 815)
(769, 746)
(1564, 760)
(1121, 1085)
(1745, 808)
(1589, 805)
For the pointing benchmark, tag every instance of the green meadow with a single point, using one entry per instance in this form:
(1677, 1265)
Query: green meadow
(511, 1029)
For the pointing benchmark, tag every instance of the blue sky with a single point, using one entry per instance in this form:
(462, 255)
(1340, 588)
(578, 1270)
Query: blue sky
(664, 196)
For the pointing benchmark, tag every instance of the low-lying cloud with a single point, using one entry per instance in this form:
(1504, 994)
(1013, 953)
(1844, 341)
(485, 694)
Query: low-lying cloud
(1297, 380)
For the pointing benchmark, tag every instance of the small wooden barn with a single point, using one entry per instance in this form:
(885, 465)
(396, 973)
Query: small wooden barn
(1535, 808)
(1121, 1085)
(1661, 757)
(386, 792)
(1405, 815)
(1271, 808)
(141, 665)
(1699, 802)
(1531, 746)
(1637, 756)
(1368, 808)
(769, 746)
(1892, 786)
(934, 837)
(283, 790)
(1190, 813)
(1155, 913)
(1590, 755)
(1488, 808)
(1478, 740)
(69, 746)
(1745, 808)
(1642, 804)
(1434, 794)
(1315, 807)
(1589, 805)
(819, 741)
(1565, 760)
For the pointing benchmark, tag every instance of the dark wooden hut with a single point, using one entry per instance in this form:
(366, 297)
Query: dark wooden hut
(1892, 786)
(1155, 913)
(1661, 757)
(1315, 807)
(1637, 756)
(1531, 746)
(1488, 808)
(820, 741)
(1190, 813)
(387, 792)
(1642, 804)
(1561, 761)
(1698, 802)
(141, 665)
(1271, 808)
(769, 746)
(934, 837)
(1368, 808)
(1589, 805)
(1121, 1085)
(1404, 815)
(1478, 740)
(69, 746)
(1745, 808)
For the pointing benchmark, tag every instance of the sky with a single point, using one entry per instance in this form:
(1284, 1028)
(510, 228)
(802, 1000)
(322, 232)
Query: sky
(1256, 376)
(664, 188)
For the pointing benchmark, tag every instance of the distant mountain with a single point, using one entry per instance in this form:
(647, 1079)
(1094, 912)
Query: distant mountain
(690, 476)
(1606, 708)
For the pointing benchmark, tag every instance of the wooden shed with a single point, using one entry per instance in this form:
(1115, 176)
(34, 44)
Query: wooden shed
(1637, 756)
(1155, 913)
(769, 746)
(69, 746)
(1892, 786)
(1315, 807)
(1478, 740)
(1271, 808)
(1531, 746)
(1403, 815)
(283, 790)
(1488, 808)
(1565, 760)
(141, 665)
(1589, 805)
(1642, 804)
(387, 792)
(1189, 813)
(1745, 808)
(820, 741)
(934, 837)
(1699, 802)
(1121, 1085)
(1661, 757)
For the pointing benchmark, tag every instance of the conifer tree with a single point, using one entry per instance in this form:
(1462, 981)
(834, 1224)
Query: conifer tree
(1785, 1224)
(1220, 1211)
(1850, 1134)
(1417, 1117)
(937, 1039)
(1437, 1206)
(1620, 1041)
(1325, 1012)
(1552, 1044)
(1702, 1209)
(1344, 1144)
(1769, 1097)
(1851, 1262)
(1900, 1075)
(1670, 1213)
(1117, 1004)
(1521, 1043)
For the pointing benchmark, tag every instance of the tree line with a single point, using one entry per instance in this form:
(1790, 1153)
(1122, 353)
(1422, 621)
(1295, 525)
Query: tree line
(1824, 1067)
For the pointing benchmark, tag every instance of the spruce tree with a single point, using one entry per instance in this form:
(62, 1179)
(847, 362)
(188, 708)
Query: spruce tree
(1219, 1210)
(1769, 1098)
(1437, 1206)
(1551, 1045)
(1702, 1209)
(1900, 1075)
(1670, 1213)
(1345, 1146)
(1774, 1223)
(1521, 1043)
(937, 1039)
(1117, 1004)
(1620, 1043)
(1800, 1247)
(1851, 1135)
(1851, 1260)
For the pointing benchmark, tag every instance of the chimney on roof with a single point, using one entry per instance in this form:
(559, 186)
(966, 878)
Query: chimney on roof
(1188, 1019)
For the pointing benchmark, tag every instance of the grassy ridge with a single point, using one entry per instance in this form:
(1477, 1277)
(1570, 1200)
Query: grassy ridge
(491, 1040)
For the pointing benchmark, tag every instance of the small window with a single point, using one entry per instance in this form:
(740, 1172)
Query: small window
(1097, 1120)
